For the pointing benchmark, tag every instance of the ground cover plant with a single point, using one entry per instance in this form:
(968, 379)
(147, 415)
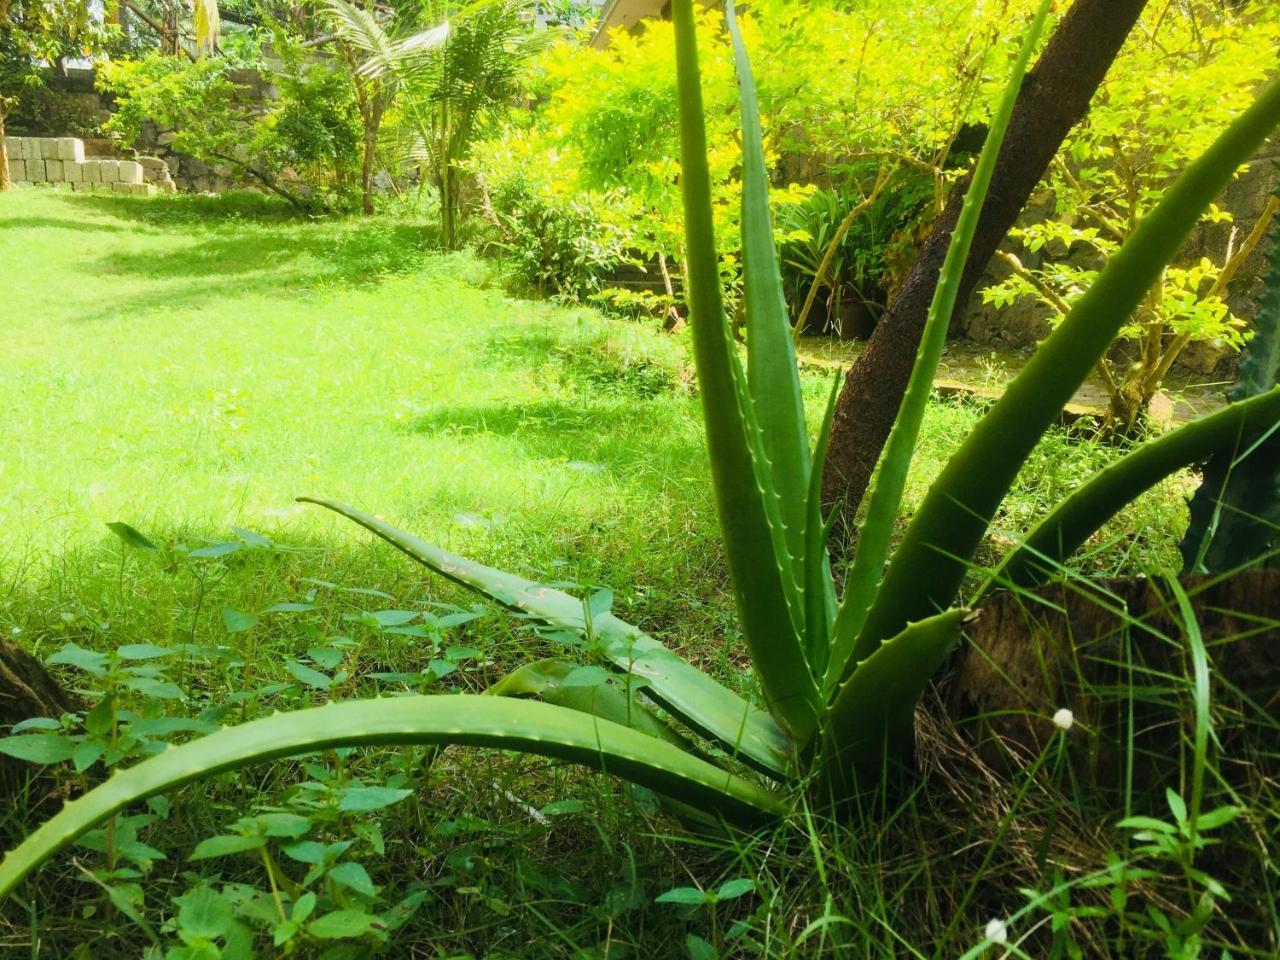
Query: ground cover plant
(778, 630)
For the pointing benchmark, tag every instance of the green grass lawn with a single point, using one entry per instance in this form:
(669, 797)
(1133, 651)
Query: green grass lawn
(164, 366)
(187, 365)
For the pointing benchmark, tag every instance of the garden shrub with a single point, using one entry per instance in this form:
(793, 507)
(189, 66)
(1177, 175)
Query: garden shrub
(302, 144)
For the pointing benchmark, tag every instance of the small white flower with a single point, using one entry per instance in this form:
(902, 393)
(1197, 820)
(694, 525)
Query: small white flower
(15, 630)
(1063, 719)
(997, 932)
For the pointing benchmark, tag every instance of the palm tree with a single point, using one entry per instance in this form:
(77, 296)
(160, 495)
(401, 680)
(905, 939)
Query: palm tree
(448, 80)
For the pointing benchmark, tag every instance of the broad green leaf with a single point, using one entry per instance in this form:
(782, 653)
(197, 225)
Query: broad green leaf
(39, 747)
(303, 907)
(130, 536)
(237, 621)
(353, 876)
(699, 949)
(308, 676)
(738, 887)
(288, 825)
(143, 651)
(698, 700)
(86, 754)
(98, 720)
(306, 851)
(203, 912)
(932, 559)
(289, 608)
(155, 687)
(342, 925)
(224, 845)
(482, 721)
(684, 895)
(563, 808)
(367, 799)
(167, 726)
(215, 550)
(74, 655)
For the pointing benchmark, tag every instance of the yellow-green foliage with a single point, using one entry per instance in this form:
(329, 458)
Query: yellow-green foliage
(1185, 72)
(896, 81)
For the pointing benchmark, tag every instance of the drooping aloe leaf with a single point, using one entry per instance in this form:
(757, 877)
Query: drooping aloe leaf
(772, 370)
(929, 565)
(872, 713)
(699, 701)
(560, 682)
(766, 616)
(891, 479)
(1233, 428)
(524, 725)
(1235, 515)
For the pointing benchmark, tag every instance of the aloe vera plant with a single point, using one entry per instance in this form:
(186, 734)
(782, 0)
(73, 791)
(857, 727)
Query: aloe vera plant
(839, 677)
(1235, 515)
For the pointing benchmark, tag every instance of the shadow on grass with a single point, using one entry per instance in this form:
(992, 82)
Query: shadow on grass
(267, 248)
(58, 223)
(189, 208)
(347, 254)
(628, 438)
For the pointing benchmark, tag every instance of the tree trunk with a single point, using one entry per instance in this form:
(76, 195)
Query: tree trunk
(1054, 97)
(26, 691)
(372, 121)
(1029, 656)
(5, 182)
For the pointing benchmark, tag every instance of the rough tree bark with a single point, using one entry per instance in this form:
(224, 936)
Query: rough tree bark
(26, 691)
(1054, 98)
(1028, 656)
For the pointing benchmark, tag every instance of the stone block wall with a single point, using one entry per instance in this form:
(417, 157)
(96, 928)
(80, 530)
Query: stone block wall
(62, 160)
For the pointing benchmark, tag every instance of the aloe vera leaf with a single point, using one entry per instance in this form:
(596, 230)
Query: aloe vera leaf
(929, 565)
(699, 701)
(1072, 522)
(891, 479)
(1235, 515)
(772, 370)
(552, 681)
(471, 720)
(820, 589)
(872, 711)
(766, 616)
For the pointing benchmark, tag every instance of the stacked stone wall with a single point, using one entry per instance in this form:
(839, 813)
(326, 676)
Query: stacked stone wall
(62, 161)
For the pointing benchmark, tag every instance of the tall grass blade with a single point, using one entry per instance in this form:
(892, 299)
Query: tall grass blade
(930, 564)
(471, 720)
